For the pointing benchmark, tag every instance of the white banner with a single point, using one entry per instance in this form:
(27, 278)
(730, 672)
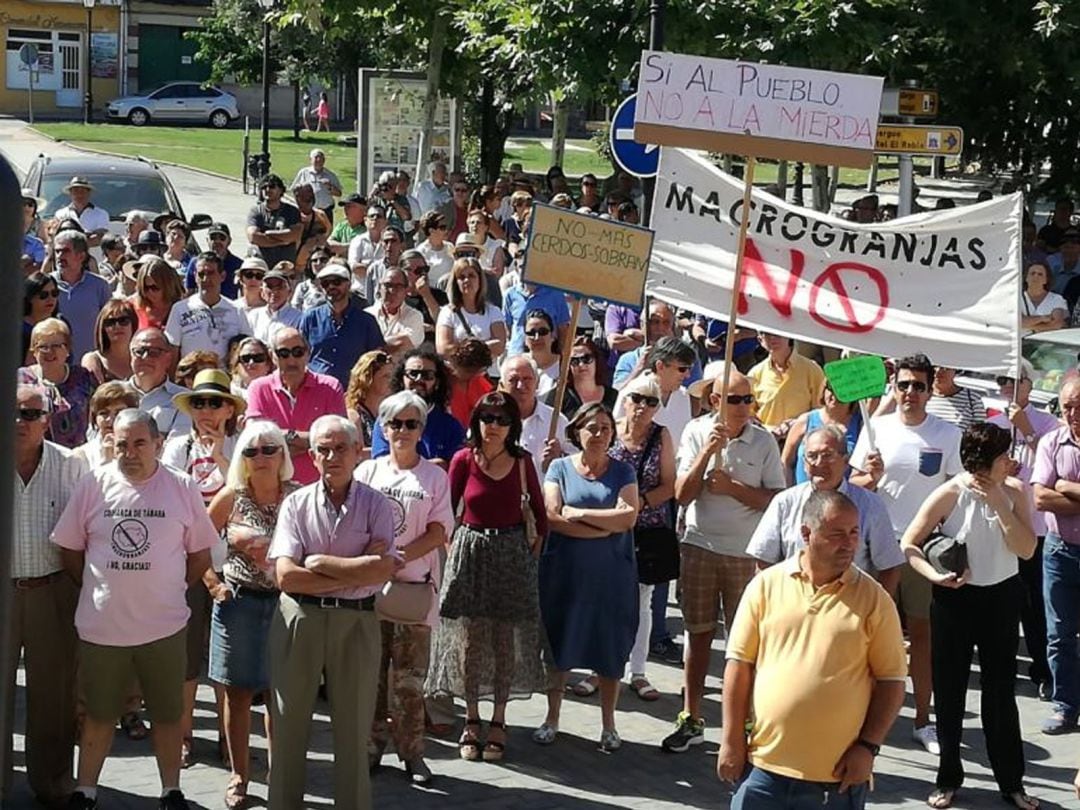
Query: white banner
(944, 283)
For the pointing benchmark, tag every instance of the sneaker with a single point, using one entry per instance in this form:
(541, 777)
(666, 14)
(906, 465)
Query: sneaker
(1059, 723)
(418, 771)
(80, 801)
(927, 738)
(667, 651)
(173, 800)
(688, 731)
(609, 740)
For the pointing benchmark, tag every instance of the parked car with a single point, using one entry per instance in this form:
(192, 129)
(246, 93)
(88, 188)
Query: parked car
(179, 102)
(1054, 355)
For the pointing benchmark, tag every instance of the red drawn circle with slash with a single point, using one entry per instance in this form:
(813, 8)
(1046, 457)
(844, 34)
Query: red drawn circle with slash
(832, 277)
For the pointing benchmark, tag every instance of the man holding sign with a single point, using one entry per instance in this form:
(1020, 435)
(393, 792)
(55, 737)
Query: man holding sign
(904, 456)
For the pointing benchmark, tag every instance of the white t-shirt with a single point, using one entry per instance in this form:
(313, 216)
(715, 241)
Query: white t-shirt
(136, 538)
(534, 433)
(549, 379)
(418, 496)
(1050, 302)
(196, 460)
(479, 322)
(439, 261)
(194, 326)
(917, 459)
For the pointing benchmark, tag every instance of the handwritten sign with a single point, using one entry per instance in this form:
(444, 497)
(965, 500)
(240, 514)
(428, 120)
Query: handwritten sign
(588, 256)
(856, 378)
(748, 108)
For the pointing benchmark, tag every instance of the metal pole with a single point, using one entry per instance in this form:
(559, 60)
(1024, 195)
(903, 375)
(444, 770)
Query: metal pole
(88, 96)
(907, 171)
(657, 9)
(265, 157)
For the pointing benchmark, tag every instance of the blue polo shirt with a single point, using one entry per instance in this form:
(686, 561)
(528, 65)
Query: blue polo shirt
(229, 288)
(517, 303)
(33, 247)
(627, 362)
(443, 436)
(81, 302)
(337, 345)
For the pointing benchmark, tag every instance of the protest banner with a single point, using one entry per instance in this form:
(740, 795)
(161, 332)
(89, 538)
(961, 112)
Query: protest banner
(759, 110)
(945, 283)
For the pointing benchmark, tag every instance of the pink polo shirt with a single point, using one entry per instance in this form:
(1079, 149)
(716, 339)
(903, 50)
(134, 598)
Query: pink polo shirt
(318, 395)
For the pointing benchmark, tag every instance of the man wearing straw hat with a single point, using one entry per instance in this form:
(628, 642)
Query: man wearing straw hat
(94, 220)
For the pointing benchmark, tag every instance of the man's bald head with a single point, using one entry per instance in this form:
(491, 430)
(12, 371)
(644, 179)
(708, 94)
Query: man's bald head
(738, 383)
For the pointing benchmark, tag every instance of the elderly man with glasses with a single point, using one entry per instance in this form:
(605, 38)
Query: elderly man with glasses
(152, 357)
(367, 247)
(402, 326)
(339, 332)
(277, 313)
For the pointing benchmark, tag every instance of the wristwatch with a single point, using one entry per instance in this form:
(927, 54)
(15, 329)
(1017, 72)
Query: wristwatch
(290, 437)
(869, 746)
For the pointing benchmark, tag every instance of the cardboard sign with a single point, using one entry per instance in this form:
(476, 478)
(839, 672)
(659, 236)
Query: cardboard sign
(748, 108)
(587, 256)
(856, 378)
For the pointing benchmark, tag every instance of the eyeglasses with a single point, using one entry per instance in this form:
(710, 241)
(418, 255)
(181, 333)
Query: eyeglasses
(45, 295)
(266, 450)
(390, 286)
(740, 399)
(581, 360)
(123, 320)
(466, 253)
(251, 274)
(643, 399)
(213, 403)
(50, 347)
(30, 414)
(295, 351)
(538, 333)
(142, 352)
(460, 190)
(151, 288)
(822, 457)
(918, 386)
(249, 359)
(381, 358)
(588, 183)
(500, 419)
(416, 374)
(403, 424)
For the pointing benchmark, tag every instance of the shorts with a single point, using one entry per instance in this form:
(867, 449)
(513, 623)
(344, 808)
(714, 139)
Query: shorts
(239, 639)
(106, 674)
(199, 602)
(711, 582)
(914, 594)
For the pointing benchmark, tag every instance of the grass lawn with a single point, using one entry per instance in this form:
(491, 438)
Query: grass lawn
(534, 154)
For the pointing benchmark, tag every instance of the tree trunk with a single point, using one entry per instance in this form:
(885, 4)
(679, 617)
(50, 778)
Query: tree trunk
(781, 179)
(492, 135)
(726, 164)
(560, 120)
(819, 187)
(797, 197)
(296, 110)
(834, 183)
(436, 45)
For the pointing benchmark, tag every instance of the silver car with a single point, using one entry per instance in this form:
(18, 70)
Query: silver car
(178, 102)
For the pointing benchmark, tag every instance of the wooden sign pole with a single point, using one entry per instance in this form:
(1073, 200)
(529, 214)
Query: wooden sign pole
(564, 368)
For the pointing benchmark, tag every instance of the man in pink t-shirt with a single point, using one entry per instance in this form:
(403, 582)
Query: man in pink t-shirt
(135, 534)
(293, 397)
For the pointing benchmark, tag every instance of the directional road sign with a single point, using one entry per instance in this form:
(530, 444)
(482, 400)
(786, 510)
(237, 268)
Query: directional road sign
(908, 101)
(641, 159)
(919, 140)
(28, 54)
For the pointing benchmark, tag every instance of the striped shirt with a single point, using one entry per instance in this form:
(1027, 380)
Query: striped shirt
(38, 505)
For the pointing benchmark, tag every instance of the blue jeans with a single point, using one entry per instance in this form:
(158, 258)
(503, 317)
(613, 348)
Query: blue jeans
(659, 614)
(762, 790)
(1061, 592)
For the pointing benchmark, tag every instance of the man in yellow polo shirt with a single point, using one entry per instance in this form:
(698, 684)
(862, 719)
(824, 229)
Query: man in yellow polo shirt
(816, 644)
(786, 384)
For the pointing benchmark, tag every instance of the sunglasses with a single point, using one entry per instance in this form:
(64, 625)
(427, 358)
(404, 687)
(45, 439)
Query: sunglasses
(142, 352)
(213, 403)
(249, 359)
(381, 358)
(151, 288)
(45, 295)
(683, 369)
(535, 333)
(266, 450)
(218, 237)
(643, 399)
(740, 399)
(500, 419)
(30, 414)
(249, 274)
(425, 374)
(918, 386)
(461, 191)
(582, 360)
(331, 282)
(121, 321)
(295, 351)
(403, 424)
(422, 270)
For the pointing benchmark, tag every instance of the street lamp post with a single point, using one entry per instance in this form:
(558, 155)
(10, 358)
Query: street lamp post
(88, 96)
(263, 162)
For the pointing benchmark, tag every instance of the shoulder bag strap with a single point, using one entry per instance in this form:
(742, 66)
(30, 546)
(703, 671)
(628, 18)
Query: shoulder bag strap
(654, 434)
(464, 323)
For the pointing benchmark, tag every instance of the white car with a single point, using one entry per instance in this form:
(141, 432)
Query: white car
(177, 102)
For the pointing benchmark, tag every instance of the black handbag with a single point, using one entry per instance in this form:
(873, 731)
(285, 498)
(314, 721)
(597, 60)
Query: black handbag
(947, 554)
(656, 548)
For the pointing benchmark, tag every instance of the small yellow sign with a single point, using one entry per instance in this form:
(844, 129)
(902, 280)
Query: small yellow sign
(919, 140)
(587, 256)
(918, 103)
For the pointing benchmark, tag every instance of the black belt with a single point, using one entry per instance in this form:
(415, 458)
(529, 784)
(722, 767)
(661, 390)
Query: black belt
(258, 593)
(29, 583)
(367, 603)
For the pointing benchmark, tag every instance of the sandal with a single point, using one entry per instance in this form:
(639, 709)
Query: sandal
(545, 734)
(186, 758)
(493, 749)
(941, 798)
(1020, 799)
(236, 793)
(133, 726)
(586, 686)
(469, 744)
(644, 690)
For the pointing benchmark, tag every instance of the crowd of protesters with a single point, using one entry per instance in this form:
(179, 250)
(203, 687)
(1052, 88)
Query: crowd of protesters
(339, 465)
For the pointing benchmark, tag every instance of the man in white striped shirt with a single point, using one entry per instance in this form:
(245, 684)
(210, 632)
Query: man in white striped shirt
(42, 619)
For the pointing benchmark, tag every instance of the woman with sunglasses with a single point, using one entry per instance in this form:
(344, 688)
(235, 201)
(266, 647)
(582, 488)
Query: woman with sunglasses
(488, 641)
(588, 578)
(70, 387)
(587, 382)
(420, 492)
(111, 358)
(542, 346)
(370, 383)
(245, 509)
(492, 257)
(250, 360)
(157, 288)
(204, 454)
(41, 300)
(488, 200)
(470, 314)
(437, 252)
(308, 294)
(832, 412)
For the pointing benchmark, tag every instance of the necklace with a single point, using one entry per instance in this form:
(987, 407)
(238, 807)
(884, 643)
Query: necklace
(485, 462)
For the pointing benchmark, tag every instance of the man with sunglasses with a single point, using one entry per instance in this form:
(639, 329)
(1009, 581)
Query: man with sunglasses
(392, 240)
(368, 246)
(422, 296)
(351, 226)
(293, 397)
(206, 321)
(402, 326)
(273, 225)
(220, 239)
(41, 617)
(456, 209)
(278, 312)
(339, 331)
(912, 453)
(152, 357)
(728, 472)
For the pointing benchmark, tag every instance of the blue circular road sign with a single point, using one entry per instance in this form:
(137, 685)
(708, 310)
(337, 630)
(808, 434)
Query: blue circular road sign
(636, 158)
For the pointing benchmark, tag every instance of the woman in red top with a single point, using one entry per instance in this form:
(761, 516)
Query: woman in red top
(468, 361)
(488, 642)
(157, 288)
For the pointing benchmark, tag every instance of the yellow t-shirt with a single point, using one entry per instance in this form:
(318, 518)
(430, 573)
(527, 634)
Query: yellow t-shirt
(817, 656)
(779, 397)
